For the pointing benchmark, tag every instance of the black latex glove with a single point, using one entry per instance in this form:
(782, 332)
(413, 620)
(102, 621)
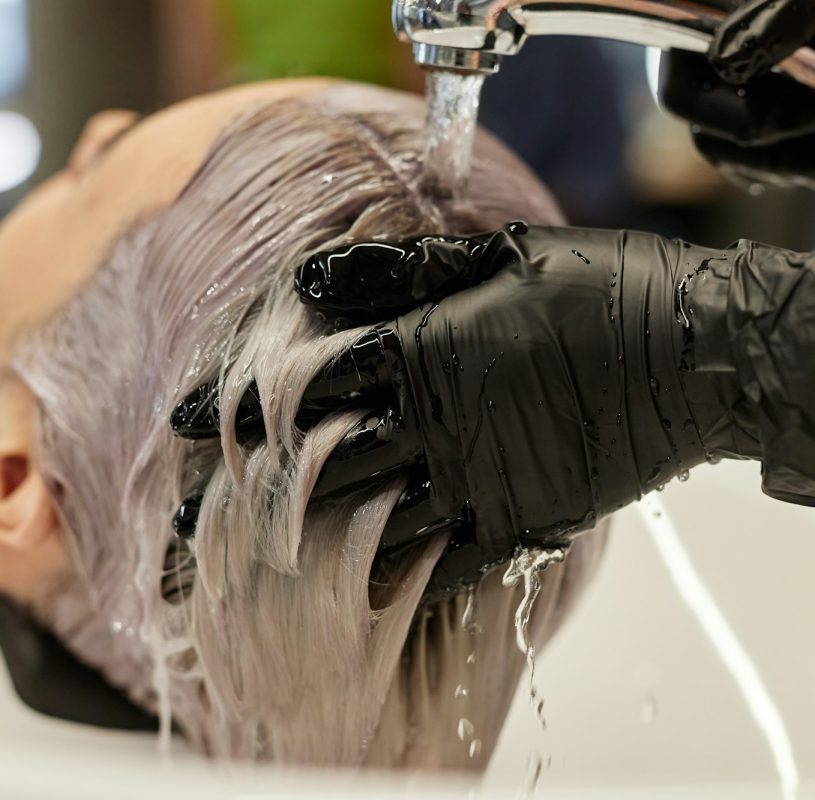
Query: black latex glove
(754, 124)
(593, 367)
(759, 35)
(572, 371)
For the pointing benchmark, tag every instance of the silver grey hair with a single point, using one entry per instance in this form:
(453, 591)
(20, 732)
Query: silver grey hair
(284, 640)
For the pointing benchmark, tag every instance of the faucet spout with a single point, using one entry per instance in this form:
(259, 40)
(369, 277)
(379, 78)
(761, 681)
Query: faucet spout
(456, 34)
(474, 35)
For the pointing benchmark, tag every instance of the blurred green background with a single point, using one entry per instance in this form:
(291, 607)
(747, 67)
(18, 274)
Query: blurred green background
(579, 111)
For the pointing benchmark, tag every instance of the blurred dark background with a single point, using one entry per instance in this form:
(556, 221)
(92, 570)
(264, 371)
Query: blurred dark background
(579, 111)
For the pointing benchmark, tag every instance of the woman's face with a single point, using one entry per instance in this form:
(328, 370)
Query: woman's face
(52, 245)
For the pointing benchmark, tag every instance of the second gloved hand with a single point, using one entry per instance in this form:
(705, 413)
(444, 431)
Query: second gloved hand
(756, 125)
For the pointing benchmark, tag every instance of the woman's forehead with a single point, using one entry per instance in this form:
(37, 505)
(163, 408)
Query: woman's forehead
(56, 240)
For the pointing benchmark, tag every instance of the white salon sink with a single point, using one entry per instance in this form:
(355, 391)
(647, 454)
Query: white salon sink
(638, 704)
(636, 695)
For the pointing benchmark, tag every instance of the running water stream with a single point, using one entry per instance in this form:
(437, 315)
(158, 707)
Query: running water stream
(452, 113)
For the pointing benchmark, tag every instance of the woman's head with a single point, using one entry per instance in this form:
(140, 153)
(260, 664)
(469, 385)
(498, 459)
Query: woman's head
(280, 636)
(52, 245)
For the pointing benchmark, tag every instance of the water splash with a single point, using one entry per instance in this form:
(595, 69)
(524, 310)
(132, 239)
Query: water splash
(452, 112)
(724, 640)
(529, 565)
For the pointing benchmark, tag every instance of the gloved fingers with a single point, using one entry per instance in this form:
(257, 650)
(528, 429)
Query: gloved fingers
(197, 416)
(413, 519)
(771, 109)
(359, 376)
(788, 163)
(371, 281)
(185, 519)
(463, 563)
(367, 373)
(380, 445)
(759, 35)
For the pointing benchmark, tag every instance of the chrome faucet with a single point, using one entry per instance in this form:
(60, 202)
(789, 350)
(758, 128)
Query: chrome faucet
(474, 35)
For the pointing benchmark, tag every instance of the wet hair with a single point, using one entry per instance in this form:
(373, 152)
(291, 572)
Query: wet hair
(277, 635)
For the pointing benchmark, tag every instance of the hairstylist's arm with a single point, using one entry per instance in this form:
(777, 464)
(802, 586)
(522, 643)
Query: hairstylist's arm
(572, 371)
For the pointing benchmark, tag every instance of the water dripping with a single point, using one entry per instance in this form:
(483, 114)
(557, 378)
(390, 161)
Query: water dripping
(452, 111)
(528, 565)
(649, 709)
(533, 774)
(465, 729)
(469, 623)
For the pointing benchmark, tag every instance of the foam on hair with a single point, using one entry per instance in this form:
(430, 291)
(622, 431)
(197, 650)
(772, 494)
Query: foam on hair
(291, 643)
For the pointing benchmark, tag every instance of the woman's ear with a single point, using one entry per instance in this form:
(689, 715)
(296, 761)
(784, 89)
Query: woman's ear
(28, 521)
(27, 517)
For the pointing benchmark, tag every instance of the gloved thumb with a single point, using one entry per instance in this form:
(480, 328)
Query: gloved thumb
(374, 281)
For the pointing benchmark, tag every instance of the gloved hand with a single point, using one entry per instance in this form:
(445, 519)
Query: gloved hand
(755, 125)
(555, 375)
(532, 402)
(759, 35)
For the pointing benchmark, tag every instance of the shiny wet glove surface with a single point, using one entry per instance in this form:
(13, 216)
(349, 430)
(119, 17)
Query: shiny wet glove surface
(565, 373)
